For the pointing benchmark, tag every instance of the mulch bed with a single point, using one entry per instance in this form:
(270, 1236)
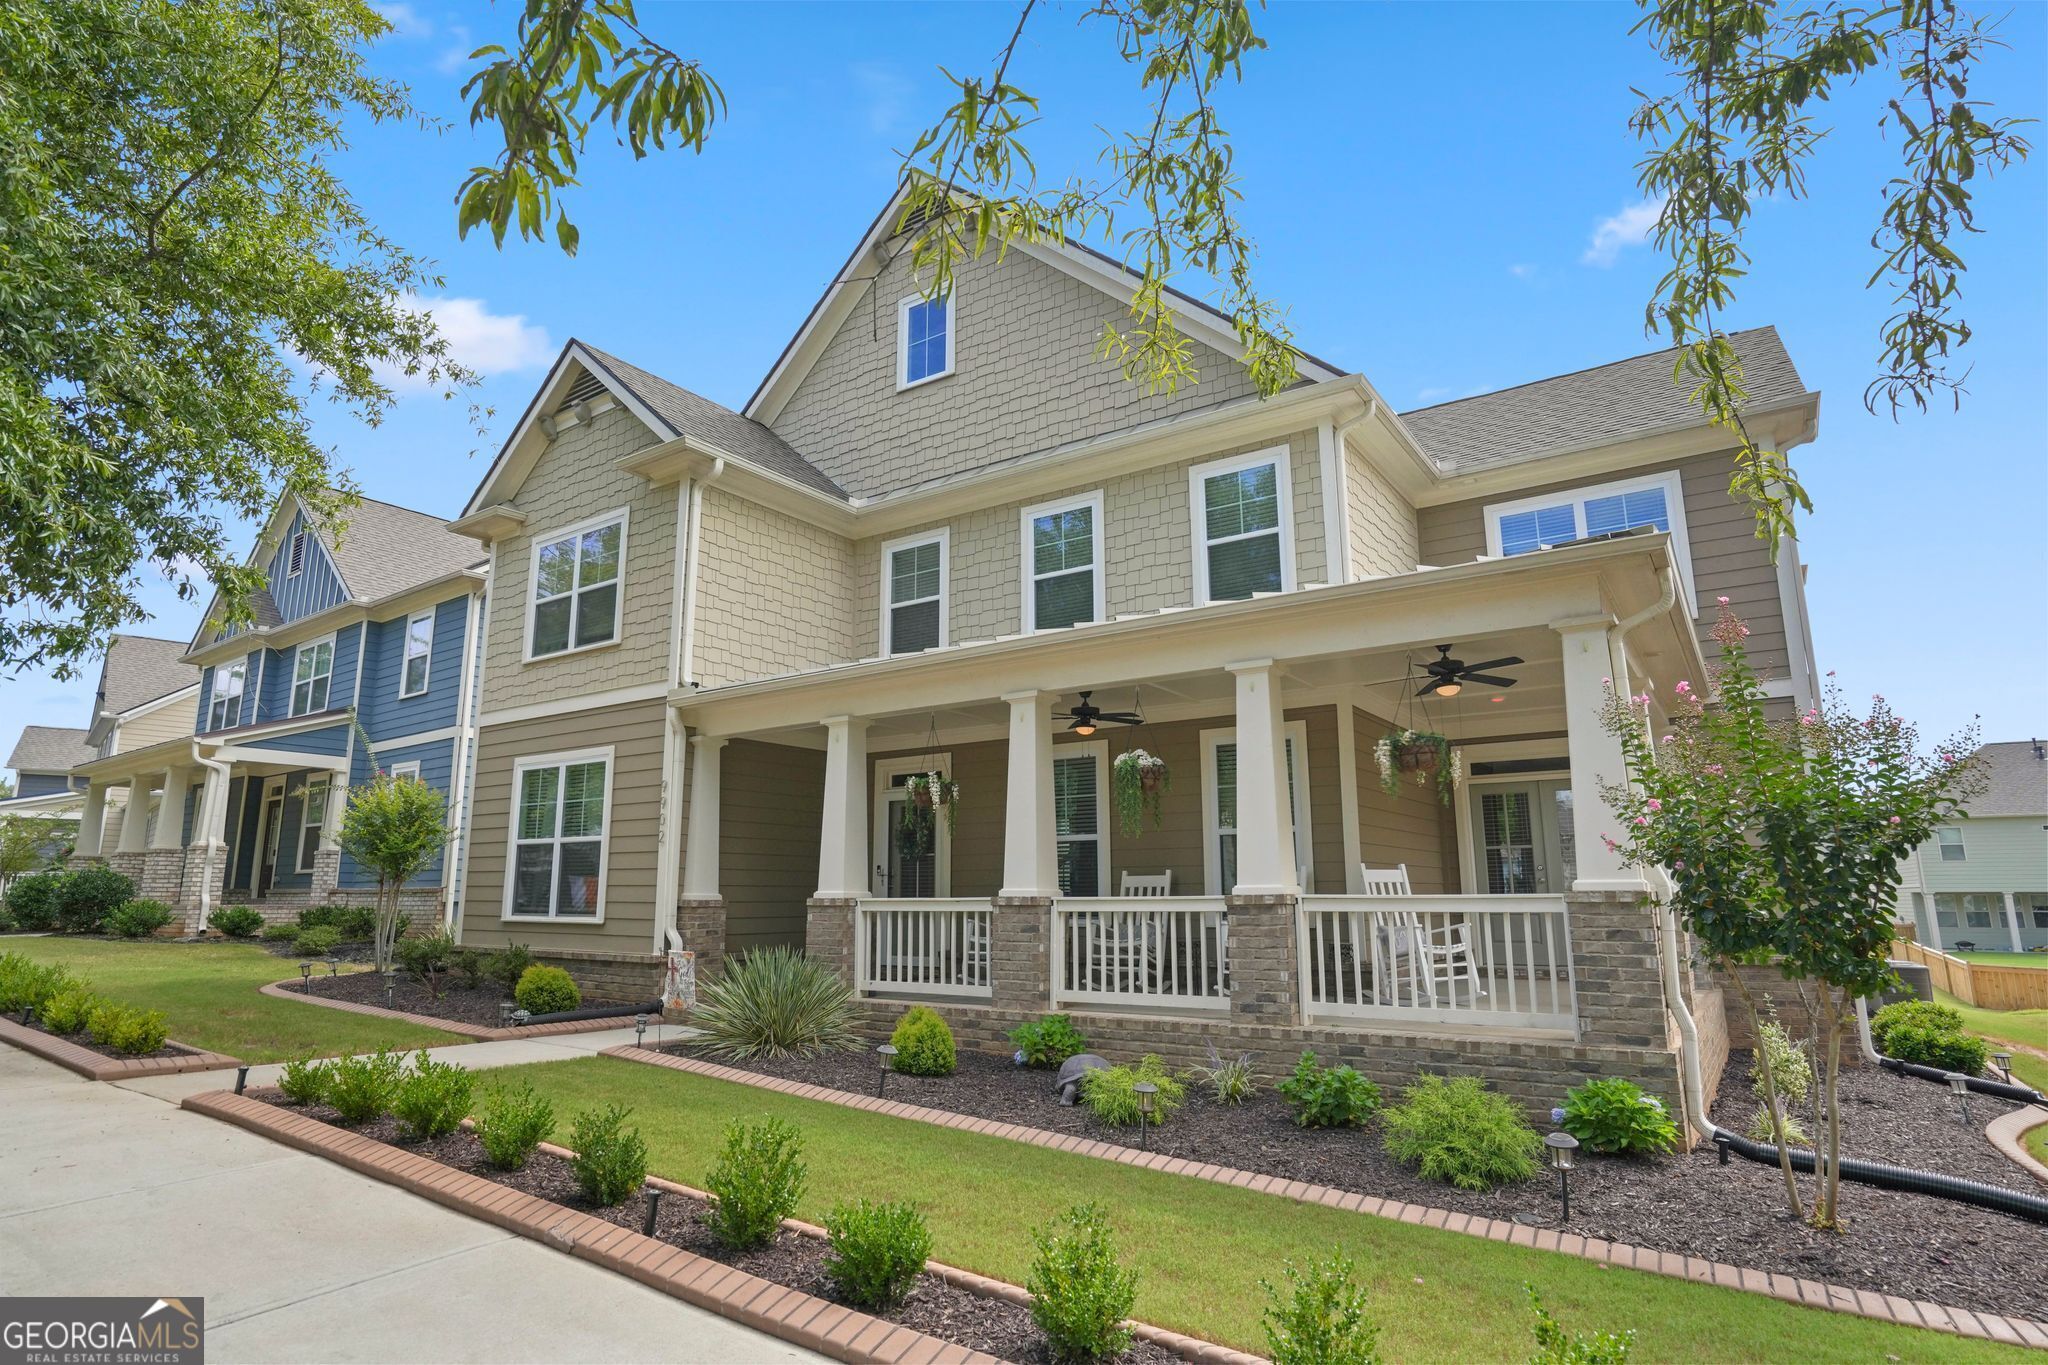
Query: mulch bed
(1913, 1246)
(462, 1004)
(84, 1040)
(795, 1260)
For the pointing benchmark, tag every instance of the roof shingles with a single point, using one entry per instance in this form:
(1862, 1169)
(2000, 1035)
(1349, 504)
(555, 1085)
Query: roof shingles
(140, 669)
(50, 749)
(2016, 779)
(385, 549)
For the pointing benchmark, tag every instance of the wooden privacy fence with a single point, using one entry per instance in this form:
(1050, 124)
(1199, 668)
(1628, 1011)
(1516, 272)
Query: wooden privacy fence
(1979, 983)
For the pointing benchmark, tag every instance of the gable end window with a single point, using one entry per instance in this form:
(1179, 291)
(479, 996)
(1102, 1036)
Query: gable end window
(312, 671)
(419, 652)
(224, 706)
(1656, 501)
(1950, 839)
(298, 555)
(924, 339)
(576, 587)
(1063, 563)
(914, 594)
(1243, 526)
(559, 833)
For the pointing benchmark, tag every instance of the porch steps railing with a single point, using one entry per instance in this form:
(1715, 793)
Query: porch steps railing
(1166, 952)
(923, 947)
(1488, 961)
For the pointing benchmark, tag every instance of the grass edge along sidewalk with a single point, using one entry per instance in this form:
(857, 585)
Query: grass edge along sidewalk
(1201, 1248)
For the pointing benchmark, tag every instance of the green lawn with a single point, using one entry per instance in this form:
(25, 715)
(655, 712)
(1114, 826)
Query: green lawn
(2036, 1140)
(2039, 961)
(209, 992)
(1201, 1249)
(2029, 1027)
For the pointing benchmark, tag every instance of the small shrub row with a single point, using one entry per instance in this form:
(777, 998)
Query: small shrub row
(1929, 1034)
(26, 983)
(351, 923)
(67, 1007)
(78, 901)
(430, 1099)
(546, 990)
(237, 921)
(140, 919)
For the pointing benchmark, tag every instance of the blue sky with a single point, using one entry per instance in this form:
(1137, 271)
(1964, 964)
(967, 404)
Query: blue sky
(1431, 187)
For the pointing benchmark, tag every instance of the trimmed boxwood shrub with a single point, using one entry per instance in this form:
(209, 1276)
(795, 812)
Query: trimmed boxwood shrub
(1080, 1292)
(513, 1124)
(316, 942)
(758, 1181)
(67, 1011)
(140, 919)
(86, 896)
(433, 1098)
(1927, 1014)
(361, 1088)
(1461, 1133)
(353, 923)
(1930, 1034)
(126, 1029)
(237, 921)
(304, 1080)
(281, 933)
(547, 990)
(878, 1251)
(32, 900)
(26, 983)
(923, 1043)
(611, 1159)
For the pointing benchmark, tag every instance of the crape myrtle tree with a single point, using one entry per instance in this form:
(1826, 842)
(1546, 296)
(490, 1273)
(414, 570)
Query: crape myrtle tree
(393, 826)
(1782, 840)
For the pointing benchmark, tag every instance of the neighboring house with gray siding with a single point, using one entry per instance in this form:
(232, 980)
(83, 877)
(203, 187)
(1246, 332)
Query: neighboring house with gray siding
(1982, 883)
(724, 647)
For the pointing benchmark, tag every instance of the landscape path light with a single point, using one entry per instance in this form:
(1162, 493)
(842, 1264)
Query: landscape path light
(639, 1030)
(1562, 1147)
(1145, 1091)
(306, 973)
(887, 1052)
(1959, 1084)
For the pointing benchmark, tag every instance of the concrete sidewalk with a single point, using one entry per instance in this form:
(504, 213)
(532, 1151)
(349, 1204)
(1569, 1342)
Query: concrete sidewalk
(112, 1189)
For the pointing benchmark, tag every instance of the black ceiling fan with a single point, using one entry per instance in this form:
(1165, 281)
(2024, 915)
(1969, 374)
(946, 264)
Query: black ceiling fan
(1086, 718)
(1448, 676)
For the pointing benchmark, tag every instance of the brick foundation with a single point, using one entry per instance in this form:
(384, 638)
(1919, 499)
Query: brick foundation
(200, 879)
(625, 978)
(700, 923)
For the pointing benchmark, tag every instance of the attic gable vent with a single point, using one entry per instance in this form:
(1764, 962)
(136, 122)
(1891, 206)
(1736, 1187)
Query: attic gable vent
(298, 559)
(586, 387)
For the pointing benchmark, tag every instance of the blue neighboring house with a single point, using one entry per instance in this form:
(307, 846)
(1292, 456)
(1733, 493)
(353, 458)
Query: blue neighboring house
(376, 620)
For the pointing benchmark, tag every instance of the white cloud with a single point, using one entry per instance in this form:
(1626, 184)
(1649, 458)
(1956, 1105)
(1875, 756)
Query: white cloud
(886, 91)
(459, 47)
(490, 343)
(1522, 271)
(409, 22)
(1630, 227)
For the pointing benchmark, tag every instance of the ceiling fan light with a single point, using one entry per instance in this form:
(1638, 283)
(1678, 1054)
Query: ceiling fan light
(1083, 728)
(1449, 688)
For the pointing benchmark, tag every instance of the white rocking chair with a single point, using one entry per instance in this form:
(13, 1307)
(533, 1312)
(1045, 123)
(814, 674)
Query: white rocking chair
(1439, 957)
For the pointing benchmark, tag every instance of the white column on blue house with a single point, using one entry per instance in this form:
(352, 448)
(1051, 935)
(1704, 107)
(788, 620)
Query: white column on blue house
(1596, 757)
(170, 813)
(2012, 921)
(1030, 842)
(331, 813)
(1265, 819)
(92, 820)
(700, 854)
(135, 817)
(843, 841)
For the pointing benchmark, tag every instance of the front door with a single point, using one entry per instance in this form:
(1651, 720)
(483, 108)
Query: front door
(273, 829)
(1523, 836)
(912, 843)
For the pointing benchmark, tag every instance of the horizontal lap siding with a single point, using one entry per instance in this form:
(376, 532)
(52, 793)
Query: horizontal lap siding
(772, 807)
(635, 732)
(173, 719)
(1412, 827)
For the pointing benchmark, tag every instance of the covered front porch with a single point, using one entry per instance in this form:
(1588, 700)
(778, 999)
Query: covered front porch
(1275, 880)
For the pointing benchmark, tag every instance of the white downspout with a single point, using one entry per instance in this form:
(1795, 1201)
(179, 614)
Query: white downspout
(686, 664)
(459, 779)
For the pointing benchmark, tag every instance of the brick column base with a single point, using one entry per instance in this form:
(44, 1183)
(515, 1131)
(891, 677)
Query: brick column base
(84, 860)
(326, 873)
(1619, 985)
(205, 870)
(828, 933)
(130, 865)
(700, 923)
(159, 875)
(1020, 953)
(1265, 967)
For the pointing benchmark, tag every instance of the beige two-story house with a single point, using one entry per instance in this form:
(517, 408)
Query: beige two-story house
(726, 653)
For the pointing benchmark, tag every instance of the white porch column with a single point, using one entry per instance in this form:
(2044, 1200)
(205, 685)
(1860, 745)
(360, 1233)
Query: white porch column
(1933, 923)
(1030, 844)
(92, 820)
(170, 815)
(700, 856)
(331, 813)
(843, 844)
(135, 817)
(1595, 758)
(2012, 921)
(1265, 821)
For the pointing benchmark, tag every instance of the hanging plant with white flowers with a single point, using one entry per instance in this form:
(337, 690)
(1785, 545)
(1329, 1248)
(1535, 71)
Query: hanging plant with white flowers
(1423, 754)
(928, 794)
(1137, 780)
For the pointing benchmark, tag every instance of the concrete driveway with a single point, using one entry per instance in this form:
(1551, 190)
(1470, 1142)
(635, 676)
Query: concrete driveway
(107, 1189)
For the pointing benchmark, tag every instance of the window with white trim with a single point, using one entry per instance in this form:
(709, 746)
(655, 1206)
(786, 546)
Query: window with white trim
(297, 559)
(419, 653)
(924, 339)
(1080, 796)
(558, 837)
(1244, 536)
(1656, 501)
(408, 769)
(1950, 840)
(576, 588)
(312, 671)
(1219, 768)
(313, 815)
(914, 594)
(224, 705)
(1063, 562)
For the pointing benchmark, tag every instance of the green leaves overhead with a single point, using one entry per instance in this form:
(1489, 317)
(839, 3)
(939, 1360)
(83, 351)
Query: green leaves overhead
(573, 64)
(1739, 126)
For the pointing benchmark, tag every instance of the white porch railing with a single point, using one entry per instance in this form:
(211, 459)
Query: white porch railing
(1157, 951)
(1500, 961)
(922, 947)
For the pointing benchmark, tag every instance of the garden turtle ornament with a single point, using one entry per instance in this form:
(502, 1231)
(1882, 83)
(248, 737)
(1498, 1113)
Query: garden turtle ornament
(1067, 1085)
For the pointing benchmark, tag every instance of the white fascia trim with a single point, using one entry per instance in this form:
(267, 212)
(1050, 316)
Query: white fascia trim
(1281, 458)
(446, 732)
(155, 703)
(564, 706)
(342, 614)
(536, 409)
(944, 536)
(1028, 561)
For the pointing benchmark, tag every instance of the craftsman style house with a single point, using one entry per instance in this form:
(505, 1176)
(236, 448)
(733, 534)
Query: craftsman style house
(858, 668)
(362, 653)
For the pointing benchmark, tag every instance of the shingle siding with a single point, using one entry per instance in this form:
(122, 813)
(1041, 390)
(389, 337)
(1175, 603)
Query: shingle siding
(1027, 378)
(1382, 525)
(774, 594)
(575, 480)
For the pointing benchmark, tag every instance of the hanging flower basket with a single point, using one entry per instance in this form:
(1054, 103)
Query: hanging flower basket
(1137, 782)
(1424, 755)
(929, 792)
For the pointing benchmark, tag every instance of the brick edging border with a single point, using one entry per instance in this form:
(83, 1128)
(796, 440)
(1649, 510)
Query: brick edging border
(1865, 1303)
(95, 1066)
(475, 1032)
(763, 1305)
(2006, 1133)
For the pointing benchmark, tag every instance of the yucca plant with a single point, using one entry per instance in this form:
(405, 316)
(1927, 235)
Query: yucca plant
(775, 1002)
